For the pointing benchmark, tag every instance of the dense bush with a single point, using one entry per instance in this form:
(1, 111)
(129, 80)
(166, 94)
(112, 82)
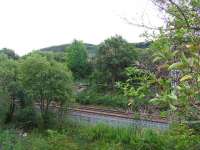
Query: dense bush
(107, 99)
(9, 84)
(111, 99)
(27, 118)
(77, 59)
(114, 55)
(4, 106)
(46, 81)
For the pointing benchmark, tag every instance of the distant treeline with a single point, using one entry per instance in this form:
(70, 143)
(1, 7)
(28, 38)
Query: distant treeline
(91, 48)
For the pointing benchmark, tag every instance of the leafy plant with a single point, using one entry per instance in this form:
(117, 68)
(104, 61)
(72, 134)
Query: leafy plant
(97, 98)
(46, 81)
(138, 86)
(177, 47)
(114, 55)
(77, 59)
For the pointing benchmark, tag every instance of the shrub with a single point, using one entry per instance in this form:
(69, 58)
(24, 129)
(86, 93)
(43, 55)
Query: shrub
(180, 138)
(27, 118)
(4, 107)
(109, 99)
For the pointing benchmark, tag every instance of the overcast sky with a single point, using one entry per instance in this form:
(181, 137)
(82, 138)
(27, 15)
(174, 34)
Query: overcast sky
(26, 25)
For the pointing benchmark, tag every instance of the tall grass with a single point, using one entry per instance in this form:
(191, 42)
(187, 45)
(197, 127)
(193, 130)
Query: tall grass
(177, 138)
(101, 137)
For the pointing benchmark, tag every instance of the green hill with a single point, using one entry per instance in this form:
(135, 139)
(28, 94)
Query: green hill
(91, 48)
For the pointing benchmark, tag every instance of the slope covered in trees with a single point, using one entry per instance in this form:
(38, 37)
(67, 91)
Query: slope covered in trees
(162, 79)
(91, 48)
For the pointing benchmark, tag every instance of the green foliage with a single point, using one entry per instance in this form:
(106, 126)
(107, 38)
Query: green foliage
(108, 134)
(59, 56)
(96, 98)
(4, 106)
(46, 81)
(49, 77)
(8, 74)
(91, 49)
(102, 137)
(177, 138)
(9, 53)
(27, 118)
(181, 137)
(77, 59)
(60, 141)
(182, 37)
(35, 141)
(9, 83)
(113, 56)
(145, 59)
(138, 86)
(162, 46)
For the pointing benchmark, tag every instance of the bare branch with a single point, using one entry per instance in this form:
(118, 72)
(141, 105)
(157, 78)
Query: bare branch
(140, 25)
(182, 13)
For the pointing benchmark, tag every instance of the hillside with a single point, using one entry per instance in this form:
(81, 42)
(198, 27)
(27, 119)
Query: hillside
(91, 48)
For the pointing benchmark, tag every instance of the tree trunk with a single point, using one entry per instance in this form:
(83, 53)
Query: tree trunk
(10, 114)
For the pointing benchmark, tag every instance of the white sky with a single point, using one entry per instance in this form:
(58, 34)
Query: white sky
(26, 25)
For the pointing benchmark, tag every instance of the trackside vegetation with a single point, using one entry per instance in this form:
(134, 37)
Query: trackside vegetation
(160, 77)
(75, 137)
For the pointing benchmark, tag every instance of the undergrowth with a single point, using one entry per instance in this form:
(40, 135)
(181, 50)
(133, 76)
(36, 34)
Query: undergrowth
(101, 137)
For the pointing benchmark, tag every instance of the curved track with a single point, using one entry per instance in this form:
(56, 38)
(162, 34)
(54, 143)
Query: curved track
(117, 113)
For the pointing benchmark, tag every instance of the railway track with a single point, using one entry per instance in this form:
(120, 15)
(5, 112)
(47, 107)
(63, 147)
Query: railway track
(118, 113)
(93, 110)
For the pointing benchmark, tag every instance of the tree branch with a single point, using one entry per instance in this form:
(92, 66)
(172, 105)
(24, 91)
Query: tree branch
(182, 13)
(140, 25)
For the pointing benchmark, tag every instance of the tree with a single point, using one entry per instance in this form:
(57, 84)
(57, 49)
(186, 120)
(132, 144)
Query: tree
(9, 53)
(9, 82)
(4, 106)
(113, 56)
(46, 81)
(138, 87)
(181, 53)
(77, 59)
(57, 56)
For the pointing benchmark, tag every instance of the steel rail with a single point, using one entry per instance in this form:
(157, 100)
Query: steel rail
(112, 113)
